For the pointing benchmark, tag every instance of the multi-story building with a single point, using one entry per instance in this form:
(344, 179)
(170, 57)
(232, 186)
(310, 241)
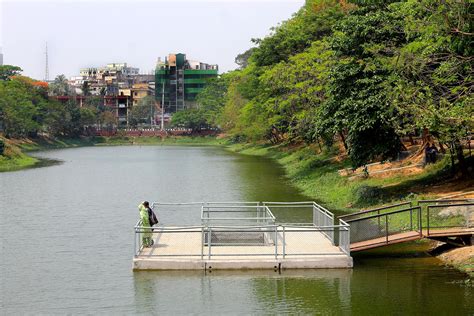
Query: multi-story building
(181, 80)
(139, 91)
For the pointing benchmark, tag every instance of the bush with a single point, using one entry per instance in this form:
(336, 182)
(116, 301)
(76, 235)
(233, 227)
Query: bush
(2, 147)
(366, 195)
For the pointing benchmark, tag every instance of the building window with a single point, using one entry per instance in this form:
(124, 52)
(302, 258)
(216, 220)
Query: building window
(136, 93)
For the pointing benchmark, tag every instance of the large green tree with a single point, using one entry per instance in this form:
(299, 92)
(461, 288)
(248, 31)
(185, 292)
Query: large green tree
(8, 71)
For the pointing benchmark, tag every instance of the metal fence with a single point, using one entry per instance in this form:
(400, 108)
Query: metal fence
(231, 214)
(208, 242)
(321, 217)
(376, 211)
(445, 218)
(385, 226)
(344, 237)
(224, 226)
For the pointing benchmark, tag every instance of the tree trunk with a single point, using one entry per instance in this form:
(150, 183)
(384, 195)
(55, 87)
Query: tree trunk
(341, 134)
(460, 157)
(452, 153)
(441, 148)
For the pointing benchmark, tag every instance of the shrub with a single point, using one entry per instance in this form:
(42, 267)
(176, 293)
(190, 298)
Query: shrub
(366, 194)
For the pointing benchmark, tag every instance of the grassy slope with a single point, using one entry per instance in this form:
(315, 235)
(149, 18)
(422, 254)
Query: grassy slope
(316, 175)
(13, 159)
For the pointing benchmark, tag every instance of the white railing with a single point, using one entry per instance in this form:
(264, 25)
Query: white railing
(245, 224)
(207, 242)
(344, 237)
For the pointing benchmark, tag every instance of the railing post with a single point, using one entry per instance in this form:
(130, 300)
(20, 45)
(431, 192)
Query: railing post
(135, 243)
(378, 213)
(420, 224)
(209, 240)
(202, 242)
(428, 221)
(284, 243)
(386, 228)
(276, 241)
(411, 219)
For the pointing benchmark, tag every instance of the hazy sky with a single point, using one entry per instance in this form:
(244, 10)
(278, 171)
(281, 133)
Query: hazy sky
(86, 33)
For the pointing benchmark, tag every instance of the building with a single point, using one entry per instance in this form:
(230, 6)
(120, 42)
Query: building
(139, 91)
(117, 85)
(181, 80)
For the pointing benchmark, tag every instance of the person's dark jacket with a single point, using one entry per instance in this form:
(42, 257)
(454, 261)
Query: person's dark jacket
(152, 217)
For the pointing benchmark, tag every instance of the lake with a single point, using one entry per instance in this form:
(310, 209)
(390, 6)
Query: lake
(67, 243)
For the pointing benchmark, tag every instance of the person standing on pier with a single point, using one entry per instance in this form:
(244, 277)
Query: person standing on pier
(146, 238)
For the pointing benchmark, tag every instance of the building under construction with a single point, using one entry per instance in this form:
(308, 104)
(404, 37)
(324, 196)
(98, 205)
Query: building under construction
(181, 80)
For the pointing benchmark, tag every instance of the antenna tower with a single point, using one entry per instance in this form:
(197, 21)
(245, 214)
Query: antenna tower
(46, 71)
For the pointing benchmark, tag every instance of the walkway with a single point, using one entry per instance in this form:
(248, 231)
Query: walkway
(434, 219)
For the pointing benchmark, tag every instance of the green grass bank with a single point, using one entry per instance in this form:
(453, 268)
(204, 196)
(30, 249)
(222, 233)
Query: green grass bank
(316, 175)
(15, 155)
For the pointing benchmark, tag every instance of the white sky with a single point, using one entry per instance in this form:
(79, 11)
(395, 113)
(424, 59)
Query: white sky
(92, 33)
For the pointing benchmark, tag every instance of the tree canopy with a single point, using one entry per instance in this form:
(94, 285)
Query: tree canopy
(365, 73)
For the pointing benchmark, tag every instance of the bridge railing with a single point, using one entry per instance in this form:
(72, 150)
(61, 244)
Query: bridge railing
(376, 211)
(385, 227)
(449, 218)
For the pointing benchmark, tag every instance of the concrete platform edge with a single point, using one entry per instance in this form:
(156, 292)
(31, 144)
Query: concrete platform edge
(326, 262)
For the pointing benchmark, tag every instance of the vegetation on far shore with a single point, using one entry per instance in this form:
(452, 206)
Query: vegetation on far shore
(312, 171)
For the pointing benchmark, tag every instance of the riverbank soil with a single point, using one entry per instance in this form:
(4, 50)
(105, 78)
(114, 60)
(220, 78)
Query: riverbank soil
(460, 258)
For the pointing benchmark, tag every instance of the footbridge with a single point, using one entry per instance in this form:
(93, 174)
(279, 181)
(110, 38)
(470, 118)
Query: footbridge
(442, 220)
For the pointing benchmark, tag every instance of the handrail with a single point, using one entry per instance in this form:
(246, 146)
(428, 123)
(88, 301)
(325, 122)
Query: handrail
(375, 209)
(445, 201)
(450, 205)
(383, 214)
(428, 226)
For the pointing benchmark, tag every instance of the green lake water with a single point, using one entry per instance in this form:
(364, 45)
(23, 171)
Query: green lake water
(67, 244)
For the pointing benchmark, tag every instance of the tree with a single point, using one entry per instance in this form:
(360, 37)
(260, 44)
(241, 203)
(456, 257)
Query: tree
(312, 22)
(358, 108)
(107, 119)
(243, 59)
(8, 71)
(435, 68)
(17, 108)
(140, 114)
(212, 98)
(193, 119)
(150, 103)
(59, 86)
(85, 88)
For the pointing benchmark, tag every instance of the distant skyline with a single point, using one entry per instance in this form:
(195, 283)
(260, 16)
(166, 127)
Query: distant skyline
(86, 33)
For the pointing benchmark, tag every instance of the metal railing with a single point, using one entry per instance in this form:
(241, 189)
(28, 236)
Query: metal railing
(374, 211)
(207, 242)
(236, 215)
(321, 217)
(386, 225)
(445, 218)
(344, 237)
(225, 225)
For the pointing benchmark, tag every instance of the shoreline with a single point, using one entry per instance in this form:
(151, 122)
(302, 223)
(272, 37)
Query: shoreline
(16, 156)
(294, 162)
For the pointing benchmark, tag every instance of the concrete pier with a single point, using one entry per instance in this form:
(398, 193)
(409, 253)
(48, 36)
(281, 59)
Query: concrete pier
(295, 248)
